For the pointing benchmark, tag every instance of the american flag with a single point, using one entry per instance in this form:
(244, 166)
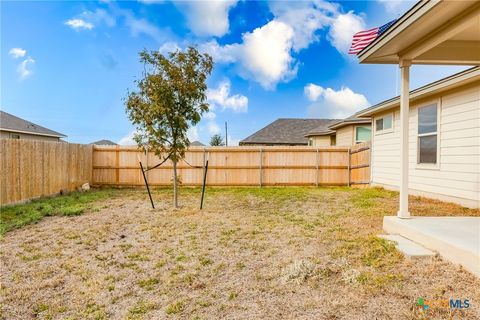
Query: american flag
(364, 38)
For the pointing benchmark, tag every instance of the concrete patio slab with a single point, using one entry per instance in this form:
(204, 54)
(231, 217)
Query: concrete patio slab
(457, 239)
(409, 248)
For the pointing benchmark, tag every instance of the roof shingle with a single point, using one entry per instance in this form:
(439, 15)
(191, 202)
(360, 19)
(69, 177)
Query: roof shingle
(287, 131)
(9, 122)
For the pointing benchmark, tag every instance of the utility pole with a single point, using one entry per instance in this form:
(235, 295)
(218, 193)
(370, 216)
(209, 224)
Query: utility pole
(226, 134)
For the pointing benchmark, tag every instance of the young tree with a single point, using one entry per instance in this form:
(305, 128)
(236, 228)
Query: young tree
(171, 97)
(216, 140)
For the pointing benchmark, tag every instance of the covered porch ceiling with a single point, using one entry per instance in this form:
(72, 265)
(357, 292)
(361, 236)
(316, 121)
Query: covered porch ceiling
(431, 32)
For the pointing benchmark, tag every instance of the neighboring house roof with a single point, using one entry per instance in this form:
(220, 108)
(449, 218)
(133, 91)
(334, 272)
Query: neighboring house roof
(459, 79)
(319, 131)
(350, 120)
(197, 144)
(9, 122)
(104, 142)
(287, 131)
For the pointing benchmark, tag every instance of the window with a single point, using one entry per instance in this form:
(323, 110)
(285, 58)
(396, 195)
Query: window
(333, 140)
(310, 142)
(14, 136)
(384, 123)
(427, 134)
(362, 134)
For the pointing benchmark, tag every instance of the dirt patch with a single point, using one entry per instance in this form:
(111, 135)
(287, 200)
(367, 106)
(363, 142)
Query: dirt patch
(252, 253)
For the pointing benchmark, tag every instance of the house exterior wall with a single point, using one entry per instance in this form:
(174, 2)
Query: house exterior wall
(320, 141)
(456, 177)
(7, 135)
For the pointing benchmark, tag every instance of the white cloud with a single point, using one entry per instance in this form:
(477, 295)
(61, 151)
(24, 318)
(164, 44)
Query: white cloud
(17, 52)
(267, 54)
(264, 55)
(221, 97)
(88, 20)
(232, 141)
(192, 134)
(127, 140)
(207, 18)
(24, 68)
(342, 29)
(99, 16)
(78, 24)
(142, 26)
(220, 54)
(397, 6)
(168, 47)
(338, 104)
(305, 18)
(312, 91)
(151, 1)
(210, 115)
(213, 128)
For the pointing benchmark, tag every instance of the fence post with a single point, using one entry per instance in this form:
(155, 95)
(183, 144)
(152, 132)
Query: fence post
(261, 169)
(146, 161)
(349, 165)
(318, 171)
(117, 164)
(204, 160)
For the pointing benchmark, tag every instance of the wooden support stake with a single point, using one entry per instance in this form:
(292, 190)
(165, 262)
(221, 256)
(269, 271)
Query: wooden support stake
(204, 184)
(146, 183)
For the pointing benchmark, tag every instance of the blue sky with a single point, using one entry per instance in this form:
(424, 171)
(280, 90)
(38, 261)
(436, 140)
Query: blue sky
(68, 65)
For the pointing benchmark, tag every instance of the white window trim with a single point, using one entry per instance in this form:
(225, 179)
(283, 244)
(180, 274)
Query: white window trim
(355, 133)
(383, 131)
(429, 166)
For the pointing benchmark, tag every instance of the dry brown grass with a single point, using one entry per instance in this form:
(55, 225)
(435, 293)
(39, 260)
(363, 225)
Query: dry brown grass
(291, 253)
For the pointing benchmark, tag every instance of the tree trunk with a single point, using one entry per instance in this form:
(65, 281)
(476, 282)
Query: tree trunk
(175, 182)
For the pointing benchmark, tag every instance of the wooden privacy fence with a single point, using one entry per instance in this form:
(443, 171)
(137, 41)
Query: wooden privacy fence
(236, 166)
(31, 168)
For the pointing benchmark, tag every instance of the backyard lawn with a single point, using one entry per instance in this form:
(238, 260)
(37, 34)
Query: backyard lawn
(271, 253)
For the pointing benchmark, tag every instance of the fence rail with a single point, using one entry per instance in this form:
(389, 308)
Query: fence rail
(31, 168)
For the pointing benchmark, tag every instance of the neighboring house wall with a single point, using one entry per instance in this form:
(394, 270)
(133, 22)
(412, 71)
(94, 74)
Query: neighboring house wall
(7, 135)
(320, 141)
(345, 136)
(456, 177)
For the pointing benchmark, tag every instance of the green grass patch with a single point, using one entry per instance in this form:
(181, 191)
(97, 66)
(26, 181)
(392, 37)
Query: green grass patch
(378, 281)
(140, 309)
(368, 197)
(380, 253)
(369, 251)
(175, 307)
(17, 216)
(148, 284)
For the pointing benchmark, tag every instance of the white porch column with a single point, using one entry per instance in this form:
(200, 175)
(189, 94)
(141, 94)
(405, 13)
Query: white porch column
(404, 110)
